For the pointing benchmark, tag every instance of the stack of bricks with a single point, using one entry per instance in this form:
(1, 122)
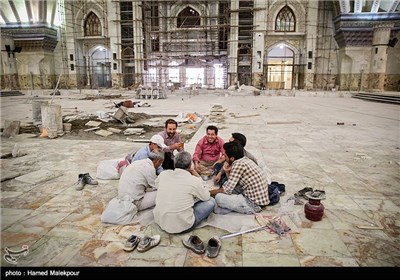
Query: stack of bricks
(217, 113)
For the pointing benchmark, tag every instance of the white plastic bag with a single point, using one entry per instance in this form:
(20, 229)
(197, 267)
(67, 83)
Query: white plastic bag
(107, 169)
(119, 211)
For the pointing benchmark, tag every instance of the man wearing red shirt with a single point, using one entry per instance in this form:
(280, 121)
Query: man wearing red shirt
(209, 151)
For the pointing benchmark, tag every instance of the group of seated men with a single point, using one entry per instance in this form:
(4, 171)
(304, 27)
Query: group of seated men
(172, 184)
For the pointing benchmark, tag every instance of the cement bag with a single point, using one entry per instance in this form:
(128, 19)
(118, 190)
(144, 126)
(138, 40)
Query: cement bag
(119, 211)
(107, 169)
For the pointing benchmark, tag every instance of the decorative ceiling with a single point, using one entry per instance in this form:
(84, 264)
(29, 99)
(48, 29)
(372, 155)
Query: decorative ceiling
(369, 6)
(30, 12)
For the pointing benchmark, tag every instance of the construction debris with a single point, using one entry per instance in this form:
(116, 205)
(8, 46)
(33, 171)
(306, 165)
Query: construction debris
(92, 123)
(216, 113)
(245, 116)
(134, 131)
(114, 130)
(11, 128)
(92, 129)
(103, 132)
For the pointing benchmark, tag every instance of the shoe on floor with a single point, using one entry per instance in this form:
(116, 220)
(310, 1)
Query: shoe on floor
(213, 246)
(146, 243)
(89, 180)
(303, 191)
(195, 244)
(131, 243)
(81, 182)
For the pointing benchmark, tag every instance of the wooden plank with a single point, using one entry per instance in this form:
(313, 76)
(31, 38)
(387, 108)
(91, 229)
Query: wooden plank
(245, 116)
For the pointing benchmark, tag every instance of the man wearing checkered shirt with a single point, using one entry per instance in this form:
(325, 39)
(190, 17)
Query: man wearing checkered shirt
(246, 190)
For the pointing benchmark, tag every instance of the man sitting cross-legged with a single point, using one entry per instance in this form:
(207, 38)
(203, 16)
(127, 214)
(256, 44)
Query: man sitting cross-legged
(136, 190)
(221, 177)
(182, 202)
(246, 189)
(209, 152)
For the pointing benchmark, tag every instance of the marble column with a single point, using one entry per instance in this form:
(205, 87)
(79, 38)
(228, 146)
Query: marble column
(379, 56)
(233, 46)
(138, 41)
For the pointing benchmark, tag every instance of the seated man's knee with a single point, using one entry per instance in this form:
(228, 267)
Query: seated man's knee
(212, 202)
(219, 198)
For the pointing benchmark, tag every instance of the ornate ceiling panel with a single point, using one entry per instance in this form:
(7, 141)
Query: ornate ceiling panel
(30, 12)
(369, 6)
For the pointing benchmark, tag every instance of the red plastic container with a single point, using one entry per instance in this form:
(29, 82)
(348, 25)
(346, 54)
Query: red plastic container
(314, 210)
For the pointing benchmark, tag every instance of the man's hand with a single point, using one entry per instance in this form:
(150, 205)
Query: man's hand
(213, 193)
(196, 166)
(227, 168)
(217, 177)
(194, 172)
(175, 146)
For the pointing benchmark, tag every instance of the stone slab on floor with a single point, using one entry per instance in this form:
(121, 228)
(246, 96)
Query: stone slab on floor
(39, 176)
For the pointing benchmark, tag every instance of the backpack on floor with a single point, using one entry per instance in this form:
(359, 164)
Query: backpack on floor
(274, 192)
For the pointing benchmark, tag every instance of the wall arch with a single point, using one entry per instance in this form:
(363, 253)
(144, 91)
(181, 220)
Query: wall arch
(83, 12)
(179, 7)
(100, 67)
(297, 8)
(281, 69)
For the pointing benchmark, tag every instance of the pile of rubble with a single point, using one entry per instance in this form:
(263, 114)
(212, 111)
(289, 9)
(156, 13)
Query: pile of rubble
(217, 113)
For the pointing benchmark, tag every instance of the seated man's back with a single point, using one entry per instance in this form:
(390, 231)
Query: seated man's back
(178, 191)
(136, 190)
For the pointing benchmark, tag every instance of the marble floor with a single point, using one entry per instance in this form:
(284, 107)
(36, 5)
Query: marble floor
(357, 164)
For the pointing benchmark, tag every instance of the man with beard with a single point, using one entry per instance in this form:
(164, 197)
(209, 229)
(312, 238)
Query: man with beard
(173, 141)
(220, 177)
(246, 190)
(209, 152)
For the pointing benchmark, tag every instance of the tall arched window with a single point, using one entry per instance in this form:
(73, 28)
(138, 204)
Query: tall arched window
(188, 18)
(285, 20)
(92, 25)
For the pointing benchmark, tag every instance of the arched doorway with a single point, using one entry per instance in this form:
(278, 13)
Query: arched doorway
(128, 66)
(279, 68)
(100, 68)
(244, 65)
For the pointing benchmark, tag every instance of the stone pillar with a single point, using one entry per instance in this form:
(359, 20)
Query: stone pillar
(9, 64)
(311, 42)
(379, 56)
(52, 117)
(233, 45)
(138, 41)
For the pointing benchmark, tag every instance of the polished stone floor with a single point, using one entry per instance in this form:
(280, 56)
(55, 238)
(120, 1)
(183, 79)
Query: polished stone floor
(357, 164)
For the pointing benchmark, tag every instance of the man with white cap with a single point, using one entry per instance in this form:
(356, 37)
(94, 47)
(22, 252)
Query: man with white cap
(137, 190)
(156, 144)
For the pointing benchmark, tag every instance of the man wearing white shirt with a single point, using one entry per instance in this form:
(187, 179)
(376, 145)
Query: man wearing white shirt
(138, 180)
(182, 202)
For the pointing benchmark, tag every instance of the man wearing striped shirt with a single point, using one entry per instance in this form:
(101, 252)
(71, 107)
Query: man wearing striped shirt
(246, 190)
